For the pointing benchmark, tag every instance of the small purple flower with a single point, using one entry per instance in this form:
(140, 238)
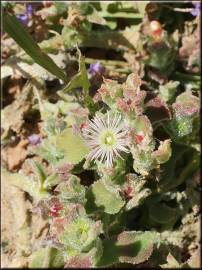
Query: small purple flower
(24, 18)
(197, 9)
(34, 139)
(96, 68)
(29, 9)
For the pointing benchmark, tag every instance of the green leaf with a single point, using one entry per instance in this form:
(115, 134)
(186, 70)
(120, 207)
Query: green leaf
(186, 108)
(168, 90)
(163, 153)
(112, 23)
(162, 214)
(106, 198)
(187, 171)
(51, 181)
(143, 161)
(138, 199)
(80, 79)
(15, 29)
(128, 247)
(25, 183)
(46, 258)
(181, 126)
(48, 151)
(71, 37)
(169, 168)
(79, 233)
(171, 262)
(40, 173)
(86, 260)
(94, 17)
(71, 191)
(134, 188)
(162, 58)
(72, 146)
(142, 124)
(188, 79)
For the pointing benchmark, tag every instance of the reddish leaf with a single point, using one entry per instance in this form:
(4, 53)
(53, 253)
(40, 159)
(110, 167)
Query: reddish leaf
(77, 262)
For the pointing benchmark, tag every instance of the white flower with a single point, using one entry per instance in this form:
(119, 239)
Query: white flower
(107, 137)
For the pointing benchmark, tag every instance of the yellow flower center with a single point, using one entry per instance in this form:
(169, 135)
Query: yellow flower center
(108, 138)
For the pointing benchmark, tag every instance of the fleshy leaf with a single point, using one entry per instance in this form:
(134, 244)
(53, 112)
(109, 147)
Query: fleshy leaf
(105, 198)
(51, 181)
(128, 247)
(169, 168)
(46, 258)
(135, 191)
(181, 126)
(162, 213)
(133, 82)
(162, 55)
(48, 151)
(138, 199)
(186, 104)
(85, 260)
(25, 183)
(142, 124)
(185, 109)
(156, 108)
(78, 233)
(189, 53)
(71, 190)
(72, 146)
(71, 36)
(143, 161)
(174, 180)
(171, 262)
(109, 91)
(168, 90)
(78, 262)
(164, 152)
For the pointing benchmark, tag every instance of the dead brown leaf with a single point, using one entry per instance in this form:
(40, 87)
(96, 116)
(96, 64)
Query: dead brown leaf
(13, 115)
(14, 156)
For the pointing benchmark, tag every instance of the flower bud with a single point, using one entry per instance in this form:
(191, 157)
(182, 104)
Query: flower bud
(47, 3)
(156, 28)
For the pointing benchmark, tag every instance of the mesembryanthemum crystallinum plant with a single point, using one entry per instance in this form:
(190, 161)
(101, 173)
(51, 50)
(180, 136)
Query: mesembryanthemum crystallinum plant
(106, 218)
(109, 192)
(113, 142)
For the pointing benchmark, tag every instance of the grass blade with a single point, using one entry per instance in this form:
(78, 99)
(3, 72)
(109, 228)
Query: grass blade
(15, 29)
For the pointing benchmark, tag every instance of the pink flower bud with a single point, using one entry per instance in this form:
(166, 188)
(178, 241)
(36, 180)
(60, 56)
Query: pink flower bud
(156, 28)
